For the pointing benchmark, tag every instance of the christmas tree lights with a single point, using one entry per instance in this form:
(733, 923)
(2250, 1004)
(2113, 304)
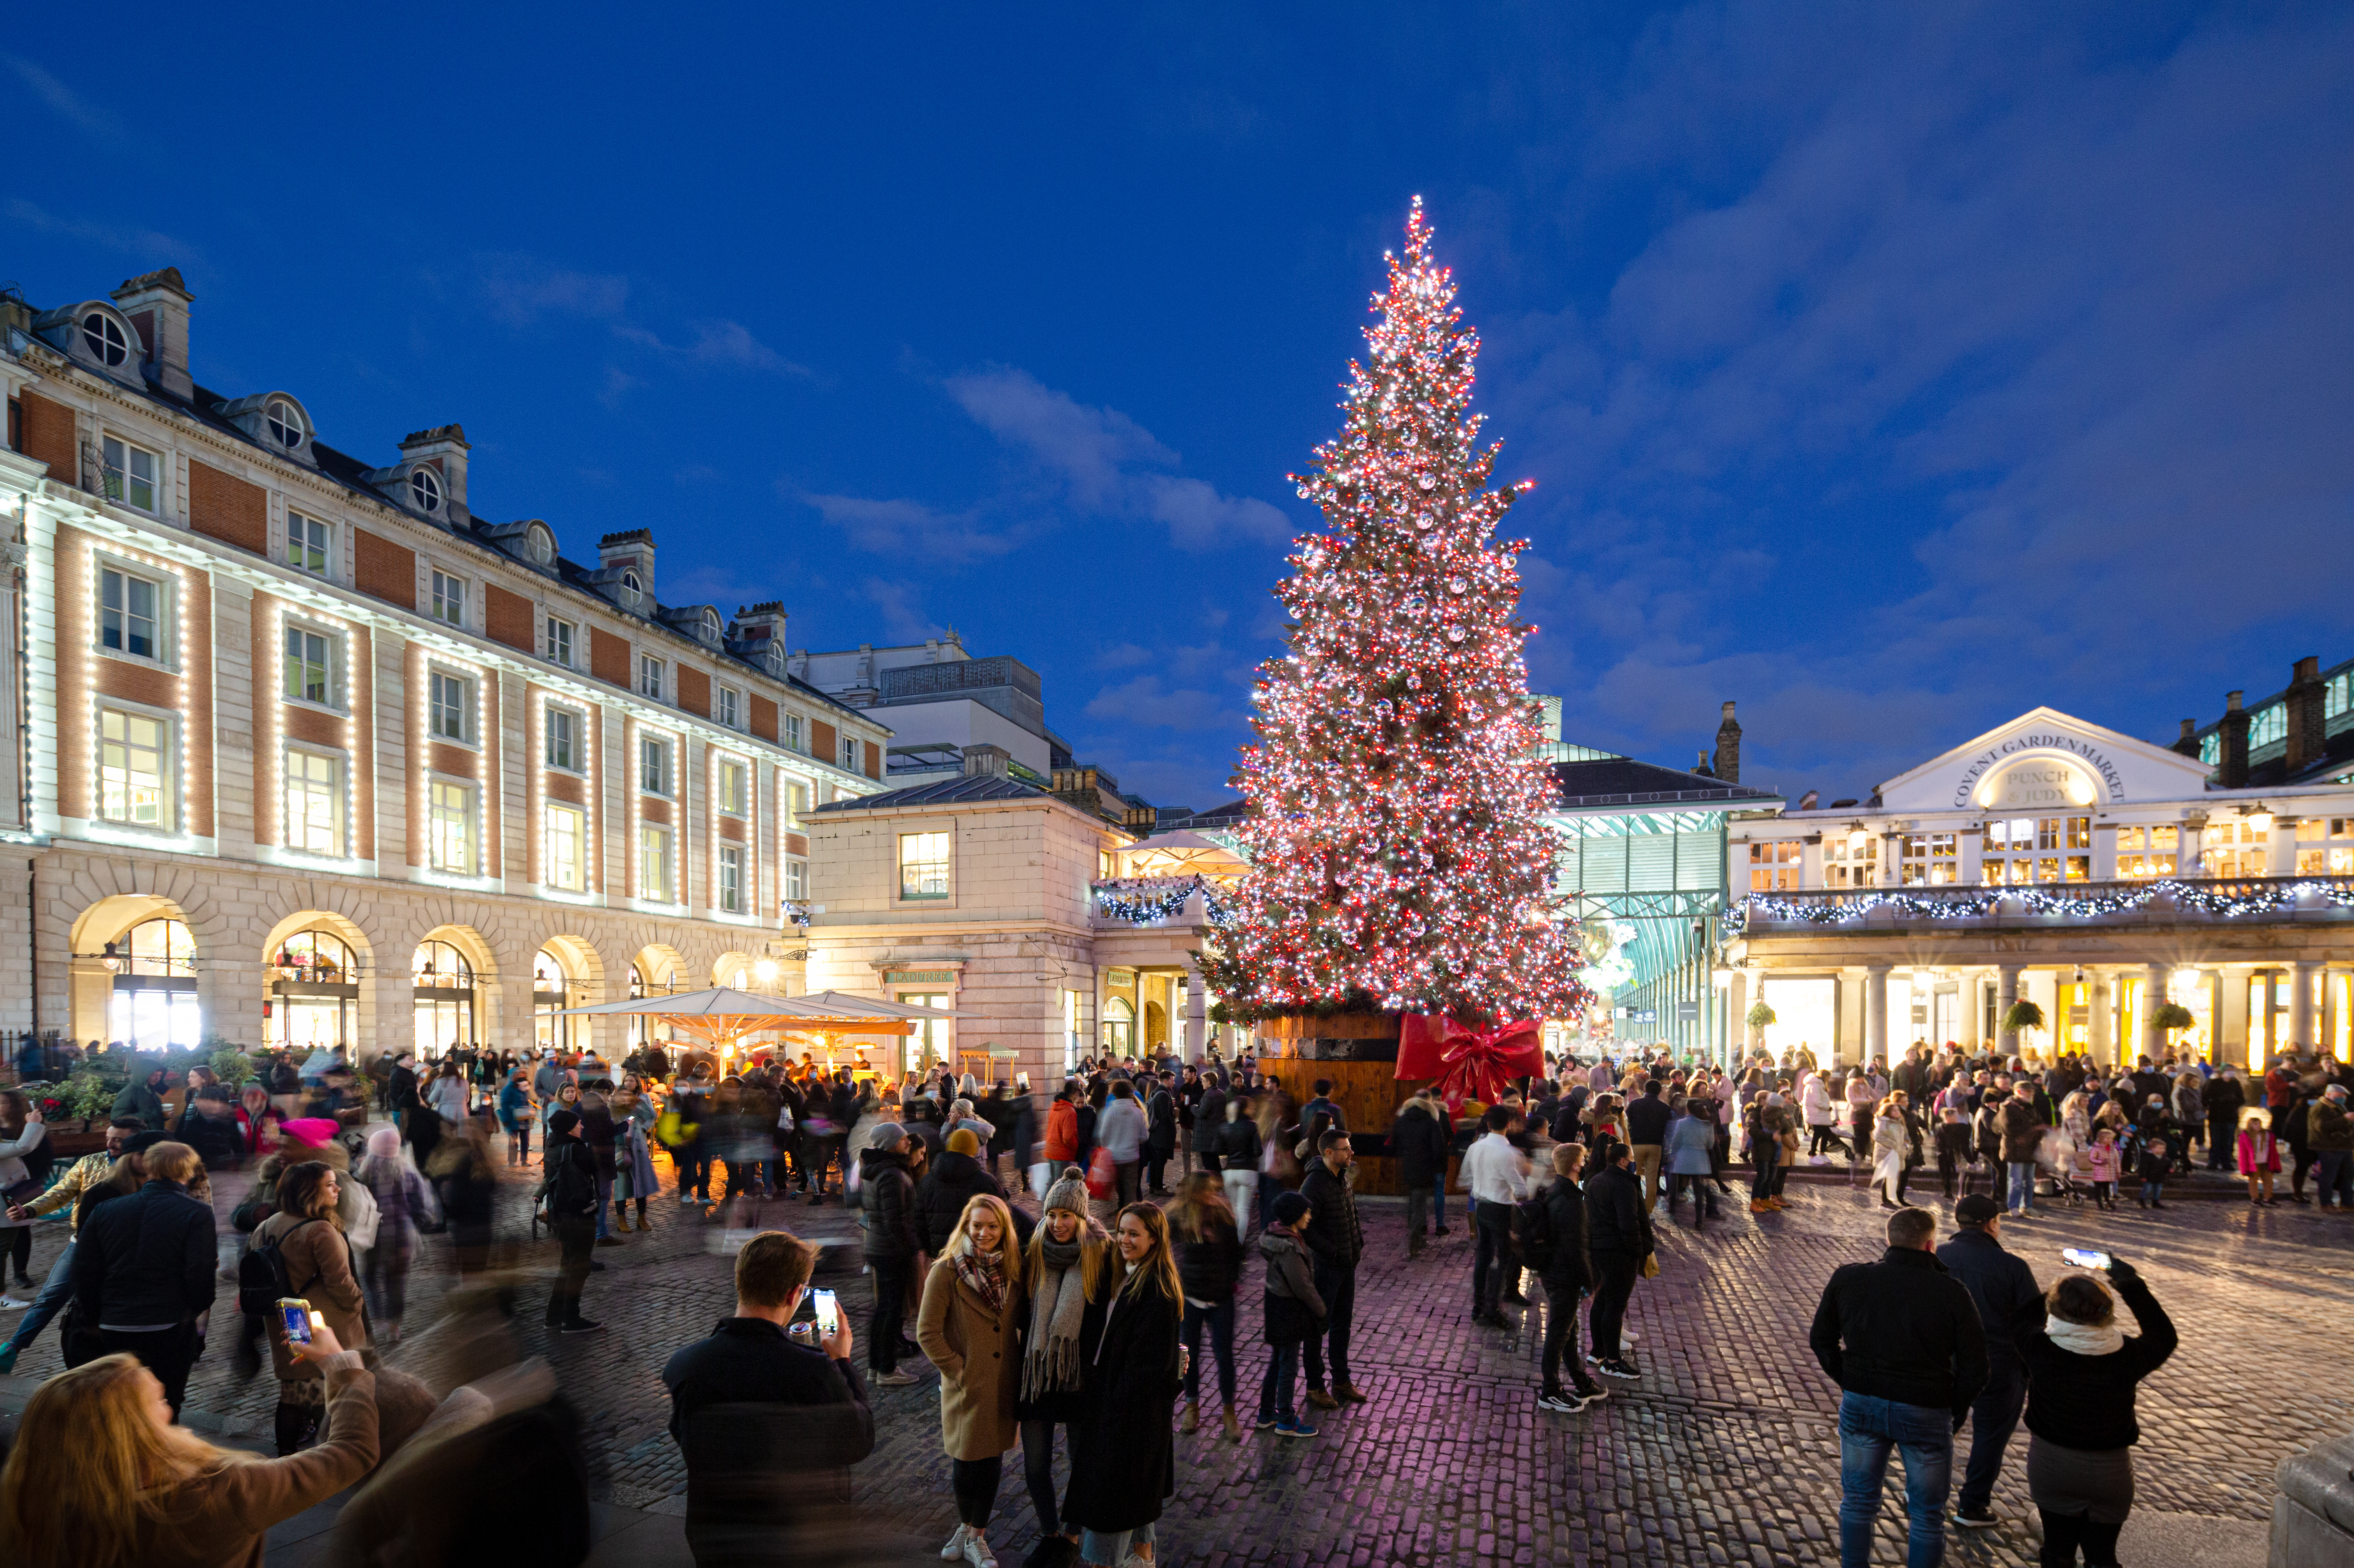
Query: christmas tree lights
(1399, 853)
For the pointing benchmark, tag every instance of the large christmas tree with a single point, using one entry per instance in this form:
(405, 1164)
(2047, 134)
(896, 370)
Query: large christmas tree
(1399, 855)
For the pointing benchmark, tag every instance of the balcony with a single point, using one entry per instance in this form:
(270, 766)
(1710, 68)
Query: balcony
(1139, 902)
(2162, 900)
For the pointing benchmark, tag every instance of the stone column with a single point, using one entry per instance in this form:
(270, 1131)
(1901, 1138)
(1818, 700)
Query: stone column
(1736, 1011)
(1875, 1011)
(1973, 1000)
(1197, 1016)
(2006, 992)
(2098, 1007)
(2153, 988)
(2302, 1034)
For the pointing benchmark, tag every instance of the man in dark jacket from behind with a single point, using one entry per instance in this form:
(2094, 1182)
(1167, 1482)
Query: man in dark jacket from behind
(768, 1424)
(951, 1181)
(1619, 1237)
(2008, 1300)
(1418, 1141)
(887, 1193)
(1904, 1340)
(1161, 1133)
(1336, 1239)
(1647, 1128)
(1567, 1273)
(142, 1269)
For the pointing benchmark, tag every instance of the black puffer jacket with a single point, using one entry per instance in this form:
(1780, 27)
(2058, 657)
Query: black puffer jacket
(1902, 1328)
(1237, 1144)
(1335, 1237)
(887, 1193)
(1211, 1268)
(953, 1181)
(1616, 1220)
(1571, 1269)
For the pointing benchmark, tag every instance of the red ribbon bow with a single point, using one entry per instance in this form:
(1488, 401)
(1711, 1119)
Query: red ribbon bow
(1468, 1063)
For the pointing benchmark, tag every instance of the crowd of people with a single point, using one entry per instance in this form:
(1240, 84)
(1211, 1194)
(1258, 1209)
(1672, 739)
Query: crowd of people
(1071, 1265)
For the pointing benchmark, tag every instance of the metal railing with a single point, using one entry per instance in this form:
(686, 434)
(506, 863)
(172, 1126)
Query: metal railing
(2274, 897)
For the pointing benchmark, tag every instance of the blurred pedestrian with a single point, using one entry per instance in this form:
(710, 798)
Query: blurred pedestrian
(1209, 1250)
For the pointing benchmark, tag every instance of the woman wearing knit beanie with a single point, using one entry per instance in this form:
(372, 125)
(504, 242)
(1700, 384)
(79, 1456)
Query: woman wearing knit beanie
(1066, 1267)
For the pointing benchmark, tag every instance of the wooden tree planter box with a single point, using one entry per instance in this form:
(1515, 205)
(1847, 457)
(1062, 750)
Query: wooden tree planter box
(1358, 1051)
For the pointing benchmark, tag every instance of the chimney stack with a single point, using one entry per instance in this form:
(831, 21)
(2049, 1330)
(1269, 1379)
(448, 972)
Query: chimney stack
(2309, 740)
(632, 548)
(1726, 764)
(2187, 742)
(157, 306)
(986, 761)
(444, 447)
(2232, 747)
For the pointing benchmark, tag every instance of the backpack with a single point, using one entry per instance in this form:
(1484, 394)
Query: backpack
(366, 1218)
(570, 1191)
(1532, 1224)
(262, 1276)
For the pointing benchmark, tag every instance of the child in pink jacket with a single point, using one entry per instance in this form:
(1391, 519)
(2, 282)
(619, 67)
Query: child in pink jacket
(2259, 1156)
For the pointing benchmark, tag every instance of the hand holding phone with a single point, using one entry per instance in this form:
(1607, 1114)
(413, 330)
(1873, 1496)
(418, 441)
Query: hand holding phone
(294, 1318)
(829, 1312)
(2084, 1257)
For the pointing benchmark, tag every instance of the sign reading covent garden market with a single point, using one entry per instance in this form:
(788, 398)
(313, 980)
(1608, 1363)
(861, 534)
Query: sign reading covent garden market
(2051, 860)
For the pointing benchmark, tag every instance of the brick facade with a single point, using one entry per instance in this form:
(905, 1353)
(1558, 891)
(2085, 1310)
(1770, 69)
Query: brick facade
(225, 507)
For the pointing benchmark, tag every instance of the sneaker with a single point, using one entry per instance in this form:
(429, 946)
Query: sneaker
(891, 1378)
(10, 1304)
(976, 1552)
(955, 1548)
(610, 1240)
(1265, 1424)
(1617, 1367)
(686, 1197)
(578, 1326)
(1976, 1519)
(1592, 1396)
(1296, 1427)
(1559, 1403)
(7, 1359)
(1592, 1359)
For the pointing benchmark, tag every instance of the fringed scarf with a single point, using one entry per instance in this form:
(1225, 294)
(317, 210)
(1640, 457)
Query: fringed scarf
(983, 1274)
(1052, 1362)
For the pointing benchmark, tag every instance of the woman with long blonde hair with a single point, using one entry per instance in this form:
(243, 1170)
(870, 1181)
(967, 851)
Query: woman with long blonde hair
(969, 1327)
(99, 1476)
(1123, 1460)
(1208, 1239)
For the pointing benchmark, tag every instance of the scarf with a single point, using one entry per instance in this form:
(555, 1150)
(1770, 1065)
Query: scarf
(983, 1274)
(1052, 1362)
(2085, 1338)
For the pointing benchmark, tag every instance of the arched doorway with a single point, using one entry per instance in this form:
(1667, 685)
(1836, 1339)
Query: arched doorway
(314, 994)
(448, 1001)
(152, 1001)
(556, 984)
(1119, 1027)
(657, 970)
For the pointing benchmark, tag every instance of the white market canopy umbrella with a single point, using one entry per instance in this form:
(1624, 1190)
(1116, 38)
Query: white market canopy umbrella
(1181, 852)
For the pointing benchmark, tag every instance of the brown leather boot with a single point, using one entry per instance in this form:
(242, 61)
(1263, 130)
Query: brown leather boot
(1192, 1419)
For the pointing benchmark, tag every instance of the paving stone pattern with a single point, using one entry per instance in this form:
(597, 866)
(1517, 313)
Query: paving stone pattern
(1723, 1453)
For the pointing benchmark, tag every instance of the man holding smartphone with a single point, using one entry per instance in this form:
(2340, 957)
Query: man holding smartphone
(757, 1409)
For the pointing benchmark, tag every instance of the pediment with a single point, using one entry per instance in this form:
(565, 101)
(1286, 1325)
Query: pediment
(2041, 760)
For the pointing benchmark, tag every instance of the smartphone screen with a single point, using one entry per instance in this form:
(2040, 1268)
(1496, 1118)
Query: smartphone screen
(829, 1315)
(2082, 1258)
(295, 1314)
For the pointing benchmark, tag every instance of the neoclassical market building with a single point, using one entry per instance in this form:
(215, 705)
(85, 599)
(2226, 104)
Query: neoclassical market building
(2055, 861)
(303, 750)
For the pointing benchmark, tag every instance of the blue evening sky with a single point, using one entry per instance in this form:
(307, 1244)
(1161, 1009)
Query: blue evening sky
(1891, 369)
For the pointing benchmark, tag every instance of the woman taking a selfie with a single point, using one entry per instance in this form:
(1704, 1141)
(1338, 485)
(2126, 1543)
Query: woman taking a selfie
(310, 1237)
(2082, 1371)
(99, 1477)
(969, 1329)
(1123, 1460)
(1069, 1257)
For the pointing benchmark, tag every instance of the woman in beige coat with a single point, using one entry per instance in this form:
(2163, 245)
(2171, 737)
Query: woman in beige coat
(968, 1327)
(310, 1237)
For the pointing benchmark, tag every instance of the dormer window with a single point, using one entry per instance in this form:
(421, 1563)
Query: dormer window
(106, 340)
(776, 657)
(285, 423)
(711, 627)
(633, 590)
(425, 488)
(540, 546)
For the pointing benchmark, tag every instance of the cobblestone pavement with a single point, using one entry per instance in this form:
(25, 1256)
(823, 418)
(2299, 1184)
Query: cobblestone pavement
(1723, 1453)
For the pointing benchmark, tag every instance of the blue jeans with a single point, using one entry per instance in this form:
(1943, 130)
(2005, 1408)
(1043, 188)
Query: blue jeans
(55, 1291)
(604, 1207)
(2022, 1184)
(1275, 1393)
(1220, 1317)
(1869, 1427)
(1113, 1547)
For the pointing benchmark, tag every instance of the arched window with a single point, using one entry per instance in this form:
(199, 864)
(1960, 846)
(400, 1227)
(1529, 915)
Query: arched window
(425, 488)
(443, 979)
(313, 1001)
(285, 423)
(153, 1002)
(553, 989)
(1119, 1027)
(105, 339)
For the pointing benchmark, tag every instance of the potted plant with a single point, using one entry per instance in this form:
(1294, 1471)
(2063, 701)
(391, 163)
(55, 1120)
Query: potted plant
(2024, 1015)
(1757, 1018)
